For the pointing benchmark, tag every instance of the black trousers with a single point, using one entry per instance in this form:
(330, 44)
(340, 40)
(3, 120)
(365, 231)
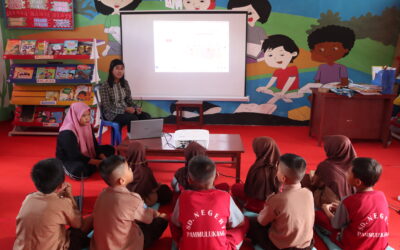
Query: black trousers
(152, 232)
(77, 169)
(259, 235)
(126, 118)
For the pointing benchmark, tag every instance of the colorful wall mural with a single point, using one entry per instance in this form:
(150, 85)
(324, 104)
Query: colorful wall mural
(292, 46)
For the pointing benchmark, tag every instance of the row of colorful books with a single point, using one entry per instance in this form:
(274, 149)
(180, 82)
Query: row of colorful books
(33, 47)
(81, 72)
(73, 93)
(45, 115)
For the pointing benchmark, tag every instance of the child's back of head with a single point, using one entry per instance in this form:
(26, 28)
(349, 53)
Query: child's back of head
(291, 168)
(115, 171)
(367, 170)
(201, 172)
(47, 175)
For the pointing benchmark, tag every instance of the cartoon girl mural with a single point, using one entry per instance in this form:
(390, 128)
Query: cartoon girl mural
(258, 10)
(112, 24)
(198, 4)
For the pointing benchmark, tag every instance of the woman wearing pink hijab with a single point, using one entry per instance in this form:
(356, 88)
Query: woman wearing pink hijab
(77, 147)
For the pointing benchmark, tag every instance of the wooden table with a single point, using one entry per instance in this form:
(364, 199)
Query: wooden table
(220, 145)
(358, 117)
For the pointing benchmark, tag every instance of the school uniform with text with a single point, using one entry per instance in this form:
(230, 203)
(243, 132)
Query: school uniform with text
(207, 219)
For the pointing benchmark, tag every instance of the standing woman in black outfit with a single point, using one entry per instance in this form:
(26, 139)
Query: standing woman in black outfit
(116, 100)
(77, 146)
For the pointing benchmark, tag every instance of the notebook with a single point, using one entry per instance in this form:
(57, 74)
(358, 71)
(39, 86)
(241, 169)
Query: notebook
(142, 129)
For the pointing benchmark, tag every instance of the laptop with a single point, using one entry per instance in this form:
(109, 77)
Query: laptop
(142, 129)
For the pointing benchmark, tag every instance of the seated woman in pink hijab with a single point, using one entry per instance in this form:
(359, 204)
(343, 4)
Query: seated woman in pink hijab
(77, 146)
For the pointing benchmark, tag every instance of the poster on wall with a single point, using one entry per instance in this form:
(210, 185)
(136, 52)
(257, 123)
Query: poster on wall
(39, 14)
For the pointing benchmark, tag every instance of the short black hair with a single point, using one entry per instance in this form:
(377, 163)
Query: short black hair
(110, 78)
(296, 164)
(263, 7)
(47, 175)
(105, 10)
(201, 168)
(108, 165)
(332, 33)
(276, 41)
(367, 170)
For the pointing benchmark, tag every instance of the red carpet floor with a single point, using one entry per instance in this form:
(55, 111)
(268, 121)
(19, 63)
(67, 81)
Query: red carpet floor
(19, 153)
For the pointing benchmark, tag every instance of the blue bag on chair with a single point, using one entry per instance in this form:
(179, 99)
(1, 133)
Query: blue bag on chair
(386, 79)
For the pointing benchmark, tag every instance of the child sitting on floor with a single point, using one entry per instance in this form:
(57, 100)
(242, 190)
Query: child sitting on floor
(261, 179)
(205, 217)
(144, 183)
(117, 209)
(180, 180)
(287, 219)
(329, 184)
(362, 217)
(44, 215)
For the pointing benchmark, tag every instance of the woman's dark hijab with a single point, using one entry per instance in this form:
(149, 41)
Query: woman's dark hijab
(261, 179)
(192, 150)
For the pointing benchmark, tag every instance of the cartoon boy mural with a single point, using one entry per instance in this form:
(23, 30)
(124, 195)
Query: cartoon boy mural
(279, 52)
(198, 4)
(112, 25)
(258, 10)
(329, 44)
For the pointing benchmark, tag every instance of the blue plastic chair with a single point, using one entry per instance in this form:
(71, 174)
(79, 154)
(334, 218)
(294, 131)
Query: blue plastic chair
(115, 129)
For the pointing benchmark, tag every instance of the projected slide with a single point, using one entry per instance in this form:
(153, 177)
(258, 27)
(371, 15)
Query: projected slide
(191, 46)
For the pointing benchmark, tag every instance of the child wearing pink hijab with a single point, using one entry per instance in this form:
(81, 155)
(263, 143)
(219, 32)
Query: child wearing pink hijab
(77, 146)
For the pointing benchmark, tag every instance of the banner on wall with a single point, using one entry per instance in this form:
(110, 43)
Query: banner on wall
(39, 14)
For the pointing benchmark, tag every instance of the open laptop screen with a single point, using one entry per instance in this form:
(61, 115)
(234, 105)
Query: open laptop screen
(142, 129)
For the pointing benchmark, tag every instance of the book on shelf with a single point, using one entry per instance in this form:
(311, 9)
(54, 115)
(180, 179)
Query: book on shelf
(67, 94)
(51, 95)
(84, 48)
(12, 47)
(83, 93)
(27, 47)
(55, 49)
(45, 73)
(23, 72)
(65, 72)
(41, 48)
(83, 72)
(47, 116)
(70, 47)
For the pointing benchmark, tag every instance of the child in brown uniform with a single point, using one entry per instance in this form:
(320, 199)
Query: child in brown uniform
(117, 210)
(287, 220)
(44, 214)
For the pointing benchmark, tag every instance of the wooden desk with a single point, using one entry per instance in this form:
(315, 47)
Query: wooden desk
(220, 145)
(358, 117)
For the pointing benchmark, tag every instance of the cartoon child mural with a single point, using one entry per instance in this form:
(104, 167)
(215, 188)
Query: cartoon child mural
(258, 10)
(198, 4)
(329, 44)
(279, 52)
(112, 24)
